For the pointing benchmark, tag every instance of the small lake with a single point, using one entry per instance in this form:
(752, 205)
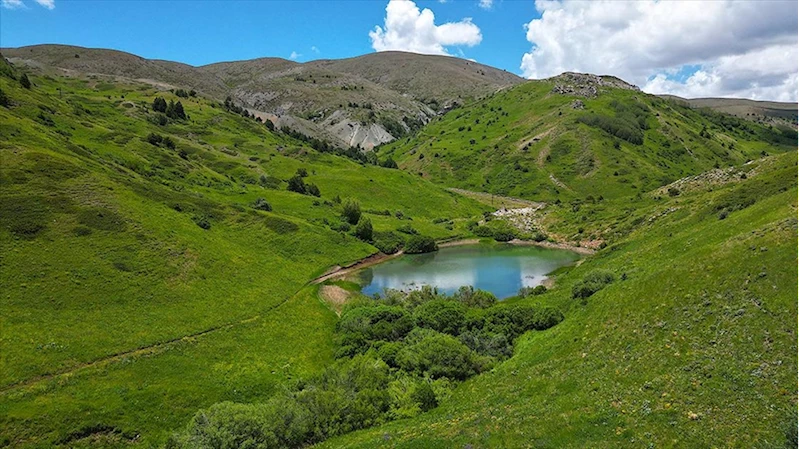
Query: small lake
(501, 269)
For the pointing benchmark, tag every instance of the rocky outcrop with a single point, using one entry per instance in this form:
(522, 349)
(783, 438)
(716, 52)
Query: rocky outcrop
(587, 85)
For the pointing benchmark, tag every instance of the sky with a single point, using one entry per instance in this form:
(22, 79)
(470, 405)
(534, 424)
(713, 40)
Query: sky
(705, 48)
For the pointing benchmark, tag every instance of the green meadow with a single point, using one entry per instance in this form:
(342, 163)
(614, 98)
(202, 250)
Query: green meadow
(154, 268)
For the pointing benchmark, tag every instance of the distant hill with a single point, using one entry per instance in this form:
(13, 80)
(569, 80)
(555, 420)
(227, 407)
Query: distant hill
(741, 107)
(579, 135)
(362, 101)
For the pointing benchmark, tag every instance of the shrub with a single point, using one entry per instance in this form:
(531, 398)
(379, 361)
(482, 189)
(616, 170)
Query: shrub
(4, 101)
(388, 242)
(351, 211)
(407, 229)
(296, 184)
(442, 315)
(302, 172)
(420, 244)
(262, 204)
(24, 81)
(591, 283)
(358, 328)
(363, 230)
(154, 139)
(532, 291)
(475, 298)
(431, 353)
(313, 190)
(513, 320)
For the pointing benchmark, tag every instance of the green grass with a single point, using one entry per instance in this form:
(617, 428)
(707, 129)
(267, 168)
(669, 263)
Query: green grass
(121, 316)
(103, 257)
(701, 320)
(530, 143)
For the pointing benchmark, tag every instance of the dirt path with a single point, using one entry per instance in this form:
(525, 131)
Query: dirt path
(149, 350)
(335, 296)
(339, 271)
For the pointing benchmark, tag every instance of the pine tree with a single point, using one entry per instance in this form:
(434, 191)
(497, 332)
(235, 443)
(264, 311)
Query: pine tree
(25, 82)
(159, 104)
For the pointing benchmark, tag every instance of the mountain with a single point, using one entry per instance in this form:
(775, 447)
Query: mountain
(363, 101)
(577, 135)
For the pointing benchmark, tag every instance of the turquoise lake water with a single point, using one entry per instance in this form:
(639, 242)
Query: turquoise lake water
(500, 269)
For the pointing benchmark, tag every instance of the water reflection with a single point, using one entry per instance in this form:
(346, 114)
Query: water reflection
(500, 269)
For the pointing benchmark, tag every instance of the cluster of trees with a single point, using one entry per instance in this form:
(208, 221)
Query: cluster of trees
(354, 153)
(184, 94)
(398, 356)
(159, 140)
(173, 110)
(387, 242)
(297, 184)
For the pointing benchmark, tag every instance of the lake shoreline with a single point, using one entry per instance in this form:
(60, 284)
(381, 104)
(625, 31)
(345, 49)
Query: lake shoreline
(377, 258)
(551, 245)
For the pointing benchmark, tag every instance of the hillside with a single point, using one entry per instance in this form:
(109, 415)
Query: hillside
(694, 344)
(363, 101)
(159, 266)
(754, 110)
(170, 257)
(578, 135)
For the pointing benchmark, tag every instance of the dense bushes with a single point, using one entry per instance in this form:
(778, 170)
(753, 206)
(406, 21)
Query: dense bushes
(298, 185)
(398, 355)
(417, 244)
(592, 282)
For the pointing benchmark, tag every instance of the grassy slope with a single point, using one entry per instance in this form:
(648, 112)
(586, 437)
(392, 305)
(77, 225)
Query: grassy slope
(526, 135)
(705, 323)
(102, 256)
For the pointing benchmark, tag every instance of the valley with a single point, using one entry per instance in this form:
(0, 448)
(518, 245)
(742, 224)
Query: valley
(162, 264)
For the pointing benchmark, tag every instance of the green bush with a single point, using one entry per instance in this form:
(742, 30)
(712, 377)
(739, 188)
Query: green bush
(262, 204)
(420, 244)
(351, 211)
(388, 242)
(358, 328)
(431, 353)
(442, 315)
(532, 291)
(513, 320)
(363, 230)
(475, 298)
(591, 283)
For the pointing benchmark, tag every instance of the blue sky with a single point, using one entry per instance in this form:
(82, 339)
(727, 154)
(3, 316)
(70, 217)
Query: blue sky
(692, 48)
(203, 32)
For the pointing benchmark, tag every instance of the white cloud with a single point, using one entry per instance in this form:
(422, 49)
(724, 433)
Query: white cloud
(294, 55)
(49, 4)
(12, 4)
(406, 28)
(486, 4)
(314, 49)
(741, 48)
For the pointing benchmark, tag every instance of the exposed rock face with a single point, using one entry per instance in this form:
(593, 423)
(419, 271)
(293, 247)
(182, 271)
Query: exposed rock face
(578, 104)
(587, 85)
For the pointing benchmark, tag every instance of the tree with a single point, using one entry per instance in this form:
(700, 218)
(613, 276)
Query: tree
(420, 244)
(24, 81)
(313, 190)
(296, 184)
(159, 104)
(389, 163)
(175, 110)
(351, 211)
(154, 139)
(364, 230)
(302, 172)
(4, 101)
